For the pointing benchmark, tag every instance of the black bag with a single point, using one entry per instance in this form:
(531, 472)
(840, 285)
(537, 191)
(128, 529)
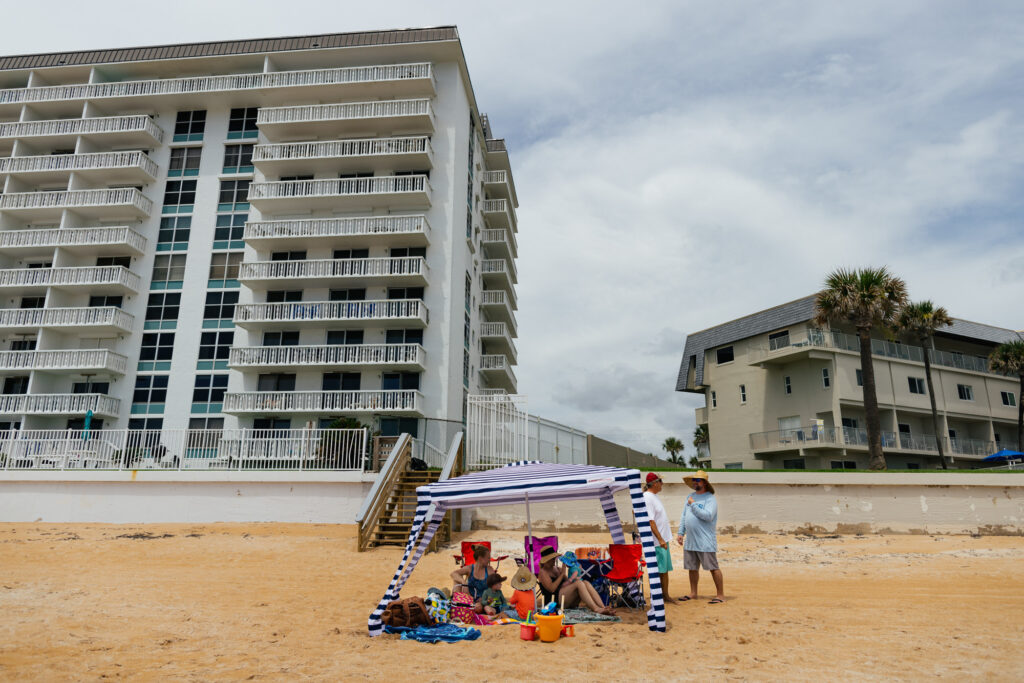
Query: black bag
(417, 465)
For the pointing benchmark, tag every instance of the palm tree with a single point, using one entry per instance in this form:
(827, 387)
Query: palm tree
(701, 436)
(1008, 359)
(920, 321)
(867, 299)
(673, 447)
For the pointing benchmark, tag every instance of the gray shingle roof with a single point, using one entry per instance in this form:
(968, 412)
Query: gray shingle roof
(231, 47)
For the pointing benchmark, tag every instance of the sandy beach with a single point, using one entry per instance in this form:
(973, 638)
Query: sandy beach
(287, 602)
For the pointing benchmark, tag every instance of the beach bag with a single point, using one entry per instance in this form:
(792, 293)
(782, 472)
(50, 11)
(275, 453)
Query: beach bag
(462, 608)
(417, 465)
(409, 612)
(438, 607)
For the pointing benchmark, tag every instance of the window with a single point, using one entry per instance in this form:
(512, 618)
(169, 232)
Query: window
(965, 392)
(952, 434)
(844, 465)
(714, 399)
(778, 340)
(220, 305)
(469, 292)
(271, 423)
(795, 464)
(215, 345)
(294, 178)
(107, 261)
(403, 337)
(242, 123)
(288, 338)
(1008, 398)
(913, 465)
(169, 268)
(349, 253)
(39, 264)
(425, 172)
(150, 389)
(734, 466)
(405, 293)
(157, 346)
(344, 337)
(788, 383)
(860, 377)
(33, 301)
(826, 379)
(189, 126)
(850, 422)
(23, 345)
(143, 424)
(408, 252)
(394, 426)
(340, 381)
(229, 228)
(163, 306)
(392, 381)
(465, 368)
(100, 300)
(234, 194)
(725, 355)
(206, 423)
(288, 256)
(465, 331)
(916, 385)
(276, 382)
(174, 233)
(184, 161)
(224, 266)
(904, 429)
(347, 295)
(16, 385)
(78, 423)
(90, 387)
(210, 388)
(180, 193)
(743, 393)
(279, 295)
(238, 159)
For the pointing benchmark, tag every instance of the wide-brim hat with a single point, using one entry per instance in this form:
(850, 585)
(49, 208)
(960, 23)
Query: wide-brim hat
(548, 553)
(699, 474)
(523, 579)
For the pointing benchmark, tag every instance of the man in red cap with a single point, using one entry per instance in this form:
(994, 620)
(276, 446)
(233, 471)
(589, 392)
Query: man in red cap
(660, 528)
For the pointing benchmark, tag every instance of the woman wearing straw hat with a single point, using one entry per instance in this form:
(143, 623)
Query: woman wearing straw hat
(572, 592)
(698, 537)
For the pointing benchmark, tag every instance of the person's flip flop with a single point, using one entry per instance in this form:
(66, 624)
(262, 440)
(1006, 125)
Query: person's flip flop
(715, 601)
(685, 598)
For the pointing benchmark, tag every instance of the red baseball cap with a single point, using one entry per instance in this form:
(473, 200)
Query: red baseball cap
(652, 477)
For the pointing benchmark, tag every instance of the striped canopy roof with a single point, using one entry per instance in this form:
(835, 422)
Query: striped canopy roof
(543, 482)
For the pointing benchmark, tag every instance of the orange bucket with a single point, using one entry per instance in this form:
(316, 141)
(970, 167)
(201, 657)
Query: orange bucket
(528, 631)
(549, 628)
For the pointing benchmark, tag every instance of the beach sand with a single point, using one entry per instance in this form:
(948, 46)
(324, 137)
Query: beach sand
(286, 602)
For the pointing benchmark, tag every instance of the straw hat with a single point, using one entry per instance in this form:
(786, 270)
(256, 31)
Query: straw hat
(699, 474)
(547, 554)
(523, 579)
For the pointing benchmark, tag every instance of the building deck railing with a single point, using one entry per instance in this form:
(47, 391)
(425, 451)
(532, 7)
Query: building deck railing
(91, 126)
(331, 187)
(351, 354)
(79, 162)
(333, 268)
(272, 402)
(345, 111)
(64, 359)
(72, 237)
(66, 317)
(814, 437)
(68, 199)
(499, 297)
(70, 276)
(393, 309)
(58, 404)
(331, 149)
(310, 228)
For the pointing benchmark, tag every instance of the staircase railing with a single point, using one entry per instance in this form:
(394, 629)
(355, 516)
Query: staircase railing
(454, 465)
(373, 505)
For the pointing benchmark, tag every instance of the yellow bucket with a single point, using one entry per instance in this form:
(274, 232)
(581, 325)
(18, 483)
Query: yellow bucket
(549, 628)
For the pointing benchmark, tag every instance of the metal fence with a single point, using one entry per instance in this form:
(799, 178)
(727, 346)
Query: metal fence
(496, 431)
(186, 449)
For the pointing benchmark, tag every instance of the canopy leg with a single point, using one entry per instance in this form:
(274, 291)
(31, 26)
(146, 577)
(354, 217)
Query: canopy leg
(611, 514)
(656, 614)
(434, 517)
(373, 623)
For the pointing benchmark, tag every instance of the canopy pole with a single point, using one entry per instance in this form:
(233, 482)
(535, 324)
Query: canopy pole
(529, 533)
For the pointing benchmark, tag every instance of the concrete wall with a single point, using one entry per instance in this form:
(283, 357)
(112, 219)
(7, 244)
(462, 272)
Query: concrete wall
(609, 454)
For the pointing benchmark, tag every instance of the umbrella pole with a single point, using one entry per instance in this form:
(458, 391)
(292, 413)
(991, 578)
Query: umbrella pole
(529, 547)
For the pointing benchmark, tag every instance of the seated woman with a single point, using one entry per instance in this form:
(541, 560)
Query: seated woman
(472, 578)
(575, 591)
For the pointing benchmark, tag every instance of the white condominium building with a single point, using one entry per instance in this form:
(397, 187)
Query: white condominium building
(268, 233)
(781, 393)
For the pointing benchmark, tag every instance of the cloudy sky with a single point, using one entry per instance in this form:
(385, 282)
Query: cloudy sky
(680, 164)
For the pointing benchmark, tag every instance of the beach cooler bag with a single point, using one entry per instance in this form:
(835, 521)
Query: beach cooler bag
(438, 607)
(462, 608)
(409, 612)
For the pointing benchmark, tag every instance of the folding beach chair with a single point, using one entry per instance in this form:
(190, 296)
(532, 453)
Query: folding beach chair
(533, 545)
(466, 557)
(626, 576)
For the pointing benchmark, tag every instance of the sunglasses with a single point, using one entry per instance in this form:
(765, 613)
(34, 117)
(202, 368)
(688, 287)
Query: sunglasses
(697, 480)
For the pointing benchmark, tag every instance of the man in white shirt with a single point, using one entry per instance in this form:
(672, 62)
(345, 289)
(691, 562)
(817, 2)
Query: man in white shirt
(661, 529)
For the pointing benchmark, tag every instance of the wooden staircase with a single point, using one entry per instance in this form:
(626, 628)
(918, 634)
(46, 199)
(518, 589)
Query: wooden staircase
(399, 510)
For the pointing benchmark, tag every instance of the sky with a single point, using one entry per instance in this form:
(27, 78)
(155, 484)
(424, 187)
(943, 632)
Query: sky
(681, 164)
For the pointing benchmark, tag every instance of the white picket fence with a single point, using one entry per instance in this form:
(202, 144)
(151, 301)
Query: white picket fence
(497, 431)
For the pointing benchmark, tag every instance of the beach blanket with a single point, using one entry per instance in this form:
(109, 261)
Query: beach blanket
(585, 616)
(446, 633)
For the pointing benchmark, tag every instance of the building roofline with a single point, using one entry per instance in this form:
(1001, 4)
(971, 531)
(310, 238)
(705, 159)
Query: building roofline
(223, 48)
(751, 315)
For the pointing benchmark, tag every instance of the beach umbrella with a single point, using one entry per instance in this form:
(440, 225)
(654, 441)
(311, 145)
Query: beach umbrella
(1005, 454)
(87, 425)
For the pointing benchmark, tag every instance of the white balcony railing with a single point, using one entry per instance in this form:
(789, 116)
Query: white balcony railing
(354, 354)
(70, 359)
(72, 199)
(397, 400)
(502, 237)
(204, 84)
(73, 237)
(495, 362)
(59, 404)
(495, 177)
(94, 126)
(344, 112)
(333, 268)
(311, 228)
(288, 189)
(499, 266)
(102, 316)
(331, 149)
(72, 276)
(494, 330)
(328, 311)
(79, 162)
(499, 297)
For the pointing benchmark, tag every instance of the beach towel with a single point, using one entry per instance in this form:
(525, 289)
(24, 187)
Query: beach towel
(585, 616)
(438, 633)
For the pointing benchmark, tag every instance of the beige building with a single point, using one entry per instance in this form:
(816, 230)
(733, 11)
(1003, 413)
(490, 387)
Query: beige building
(780, 392)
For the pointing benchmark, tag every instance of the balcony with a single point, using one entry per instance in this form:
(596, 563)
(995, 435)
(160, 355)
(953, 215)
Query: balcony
(499, 214)
(342, 194)
(499, 244)
(280, 86)
(339, 314)
(348, 118)
(412, 230)
(108, 203)
(394, 402)
(499, 305)
(380, 356)
(498, 337)
(105, 167)
(104, 320)
(396, 272)
(113, 131)
(89, 240)
(701, 416)
(497, 155)
(98, 279)
(498, 183)
(493, 392)
(72, 360)
(498, 273)
(334, 156)
(59, 404)
(807, 438)
(497, 369)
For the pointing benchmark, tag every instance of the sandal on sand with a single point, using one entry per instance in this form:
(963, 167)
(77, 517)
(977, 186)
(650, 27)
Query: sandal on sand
(685, 598)
(715, 601)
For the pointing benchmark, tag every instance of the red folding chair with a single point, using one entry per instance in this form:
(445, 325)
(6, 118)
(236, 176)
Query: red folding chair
(626, 576)
(466, 557)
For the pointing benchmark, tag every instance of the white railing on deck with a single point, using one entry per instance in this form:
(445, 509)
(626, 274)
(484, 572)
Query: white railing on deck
(497, 431)
(330, 149)
(332, 310)
(79, 162)
(64, 359)
(308, 228)
(203, 84)
(350, 354)
(407, 400)
(344, 111)
(498, 297)
(58, 404)
(495, 177)
(72, 237)
(60, 277)
(495, 206)
(185, 449)
(497, 361)
(76, 199)
(65, 317)
(94, 126)
(330, 187)
(494, 330)
(333, 268)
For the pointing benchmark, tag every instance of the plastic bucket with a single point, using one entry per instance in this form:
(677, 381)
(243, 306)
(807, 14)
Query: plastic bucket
(528, 631)
(549, 628)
